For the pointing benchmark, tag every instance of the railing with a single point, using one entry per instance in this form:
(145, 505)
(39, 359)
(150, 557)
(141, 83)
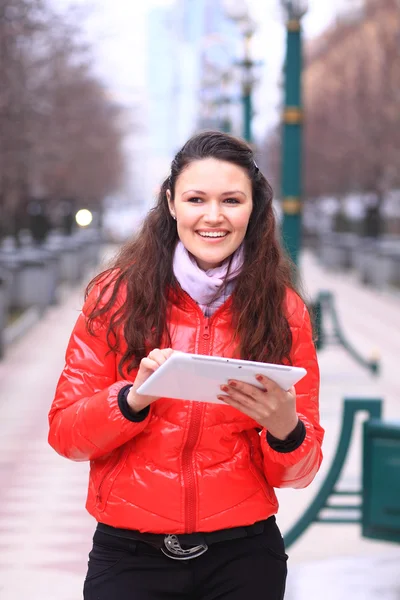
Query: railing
(324, 308)
(330, 487)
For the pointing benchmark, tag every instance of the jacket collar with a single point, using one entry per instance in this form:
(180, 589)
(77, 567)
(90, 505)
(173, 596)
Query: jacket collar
(181, 299)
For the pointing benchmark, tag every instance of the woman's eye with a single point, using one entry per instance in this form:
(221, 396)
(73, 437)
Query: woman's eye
(196, 200)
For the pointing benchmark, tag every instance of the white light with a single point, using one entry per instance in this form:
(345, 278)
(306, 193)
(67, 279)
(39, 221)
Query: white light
(83, 217)
(237, 10)
(163, 3)
(295, 9)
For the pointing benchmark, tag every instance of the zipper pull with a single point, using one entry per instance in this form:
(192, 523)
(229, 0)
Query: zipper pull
(206, 332)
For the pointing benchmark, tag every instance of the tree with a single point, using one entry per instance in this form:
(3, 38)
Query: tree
(352, 105)
(61, 134)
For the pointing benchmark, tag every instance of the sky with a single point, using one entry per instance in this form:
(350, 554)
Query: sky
(116, 30)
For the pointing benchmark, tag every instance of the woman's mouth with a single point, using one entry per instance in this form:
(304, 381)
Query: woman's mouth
(213, 234)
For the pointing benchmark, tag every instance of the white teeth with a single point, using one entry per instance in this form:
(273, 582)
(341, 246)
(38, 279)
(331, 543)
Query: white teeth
(212, 234)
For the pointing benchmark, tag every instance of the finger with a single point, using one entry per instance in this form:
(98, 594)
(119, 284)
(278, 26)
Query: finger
(149, 364)
(239, 396)
(246, 388)
(167, 352)
(267, 382)
(235, 404)
(158, 356)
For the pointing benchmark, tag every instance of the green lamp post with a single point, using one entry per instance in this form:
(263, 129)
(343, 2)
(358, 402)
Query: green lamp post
(291, 184)
(248, 80)
(291, 187)
(237, 11)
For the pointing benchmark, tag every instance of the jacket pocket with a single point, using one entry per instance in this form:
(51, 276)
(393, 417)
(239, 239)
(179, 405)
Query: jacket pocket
(109, 475)
(255, 470)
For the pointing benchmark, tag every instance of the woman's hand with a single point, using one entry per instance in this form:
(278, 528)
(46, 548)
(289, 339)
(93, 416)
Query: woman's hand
(272, 407)
(148, 365)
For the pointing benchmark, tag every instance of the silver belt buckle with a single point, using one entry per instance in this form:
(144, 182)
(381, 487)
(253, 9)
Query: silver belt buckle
(174, 550)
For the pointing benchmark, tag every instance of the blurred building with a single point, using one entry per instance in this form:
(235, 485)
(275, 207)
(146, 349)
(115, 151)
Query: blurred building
(330, 58)
(161, 85)
(218, 91)
(192, 46)
(335, 46)
(351, 83)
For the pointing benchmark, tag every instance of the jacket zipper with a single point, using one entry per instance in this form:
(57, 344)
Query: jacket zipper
(188, 469)
(206, 337)
(192, 439)
(203, 346)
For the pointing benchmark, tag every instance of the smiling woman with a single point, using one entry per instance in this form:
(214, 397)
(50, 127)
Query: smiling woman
(211, 221)
(173, 480)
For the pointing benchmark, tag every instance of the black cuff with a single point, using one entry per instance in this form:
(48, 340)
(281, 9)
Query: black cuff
(292, 442)
(126, 409)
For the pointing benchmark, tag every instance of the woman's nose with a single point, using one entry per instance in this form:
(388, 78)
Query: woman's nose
(213, 213)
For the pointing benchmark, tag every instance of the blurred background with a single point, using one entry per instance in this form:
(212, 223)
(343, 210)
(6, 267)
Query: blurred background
(96, 97)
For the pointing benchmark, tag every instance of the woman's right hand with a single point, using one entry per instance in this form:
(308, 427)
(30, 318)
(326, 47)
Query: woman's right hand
(148, 365)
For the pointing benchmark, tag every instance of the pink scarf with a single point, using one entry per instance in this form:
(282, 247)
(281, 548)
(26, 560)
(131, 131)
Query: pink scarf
(206, 287)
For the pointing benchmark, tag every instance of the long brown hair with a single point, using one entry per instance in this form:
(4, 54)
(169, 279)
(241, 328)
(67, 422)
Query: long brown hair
(144, 266)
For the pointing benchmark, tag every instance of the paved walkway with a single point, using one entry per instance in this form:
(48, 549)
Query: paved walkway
(45, 531)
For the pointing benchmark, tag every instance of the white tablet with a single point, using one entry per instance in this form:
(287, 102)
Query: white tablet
(198, 378)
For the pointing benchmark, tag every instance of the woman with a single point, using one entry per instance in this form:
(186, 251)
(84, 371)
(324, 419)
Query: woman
(183, 491)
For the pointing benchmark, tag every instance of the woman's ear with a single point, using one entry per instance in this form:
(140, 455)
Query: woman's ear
(170, 204)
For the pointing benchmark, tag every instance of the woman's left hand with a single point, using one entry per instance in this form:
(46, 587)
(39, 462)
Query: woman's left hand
(272, 407)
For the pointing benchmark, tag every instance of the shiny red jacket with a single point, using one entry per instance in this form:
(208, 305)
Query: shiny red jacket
(189, 466)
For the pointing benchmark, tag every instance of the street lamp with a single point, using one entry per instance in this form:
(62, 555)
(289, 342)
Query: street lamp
(224, 101)
(216, 97)
(248, 30)
(209, 85)
(295, 9)
(291, 187)
(237, 11)
(291, 175)
(217, 78)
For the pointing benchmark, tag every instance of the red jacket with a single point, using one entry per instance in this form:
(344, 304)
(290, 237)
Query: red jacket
(189, 466)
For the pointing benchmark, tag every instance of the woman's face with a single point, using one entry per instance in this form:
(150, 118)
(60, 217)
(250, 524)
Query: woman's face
(212, 205)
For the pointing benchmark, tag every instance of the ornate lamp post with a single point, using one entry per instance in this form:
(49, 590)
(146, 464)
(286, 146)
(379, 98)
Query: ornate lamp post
(237, 11)
(291, 185)
(225, 102)
(216, 93)
(247, 64)
(209, 87)
(291, 175)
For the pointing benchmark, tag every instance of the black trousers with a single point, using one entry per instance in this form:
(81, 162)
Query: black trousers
(242, 569)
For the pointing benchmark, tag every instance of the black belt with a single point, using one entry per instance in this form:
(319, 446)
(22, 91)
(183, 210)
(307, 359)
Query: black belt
(187, 545)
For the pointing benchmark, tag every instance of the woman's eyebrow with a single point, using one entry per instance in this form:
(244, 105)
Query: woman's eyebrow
(234, 192)
(230, 193)
(193, 192)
